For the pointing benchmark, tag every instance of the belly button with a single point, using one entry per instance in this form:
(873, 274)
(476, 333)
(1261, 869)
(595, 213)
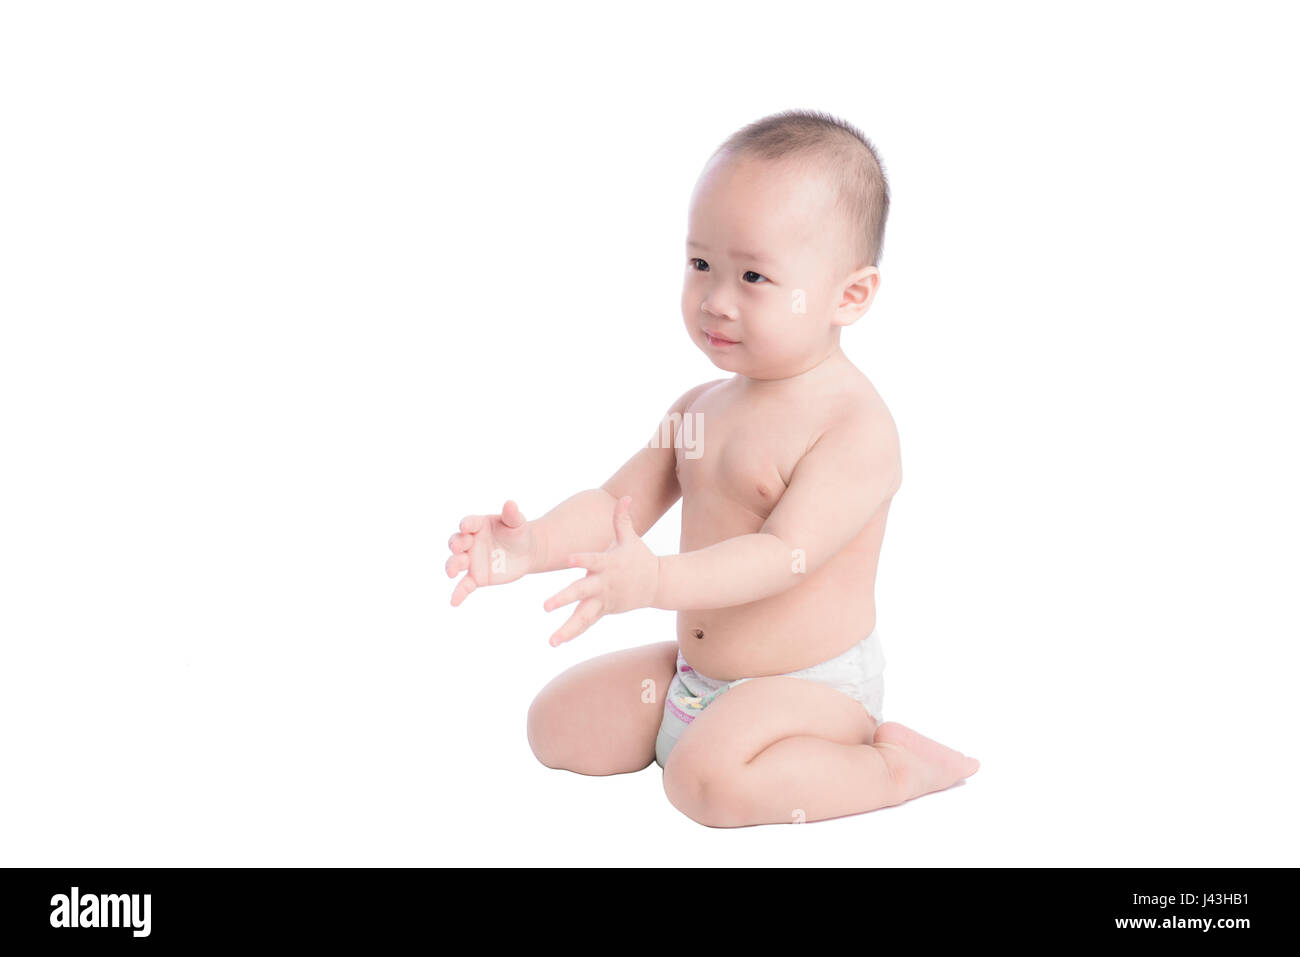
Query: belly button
(699, 633)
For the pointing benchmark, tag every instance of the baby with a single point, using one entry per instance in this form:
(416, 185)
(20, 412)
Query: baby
(767, 707)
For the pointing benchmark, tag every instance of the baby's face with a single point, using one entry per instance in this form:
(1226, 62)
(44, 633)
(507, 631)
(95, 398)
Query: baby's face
(765, 268)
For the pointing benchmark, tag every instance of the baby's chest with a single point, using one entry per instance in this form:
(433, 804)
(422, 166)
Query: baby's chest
(745, 463)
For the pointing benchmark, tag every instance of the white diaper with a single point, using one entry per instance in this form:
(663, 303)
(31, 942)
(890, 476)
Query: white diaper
(858, 673)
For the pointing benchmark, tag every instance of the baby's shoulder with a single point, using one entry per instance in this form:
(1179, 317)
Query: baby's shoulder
(692, 395)
(856, 401)
(856, 412)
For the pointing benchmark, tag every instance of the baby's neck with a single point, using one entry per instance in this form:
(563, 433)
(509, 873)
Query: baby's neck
(833, 364)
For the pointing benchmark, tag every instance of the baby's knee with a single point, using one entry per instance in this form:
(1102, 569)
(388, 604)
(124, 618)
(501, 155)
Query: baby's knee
(705, 793)
(546, 730)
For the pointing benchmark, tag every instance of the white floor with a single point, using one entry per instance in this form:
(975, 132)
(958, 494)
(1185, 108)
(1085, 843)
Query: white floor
(409, 749)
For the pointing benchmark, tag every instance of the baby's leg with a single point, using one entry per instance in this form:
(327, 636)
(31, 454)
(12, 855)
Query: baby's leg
(602, 716)
(781, 750)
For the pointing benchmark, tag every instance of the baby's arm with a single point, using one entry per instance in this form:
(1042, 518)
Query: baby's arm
(839, 485)
(582, 522)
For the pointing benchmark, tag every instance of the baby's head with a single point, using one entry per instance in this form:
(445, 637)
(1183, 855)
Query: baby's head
(784, 236)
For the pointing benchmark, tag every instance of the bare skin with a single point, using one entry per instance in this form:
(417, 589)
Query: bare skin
(755, 437)
(785, 487)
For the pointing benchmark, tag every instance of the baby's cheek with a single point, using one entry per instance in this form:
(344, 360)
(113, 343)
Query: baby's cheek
(807, 301)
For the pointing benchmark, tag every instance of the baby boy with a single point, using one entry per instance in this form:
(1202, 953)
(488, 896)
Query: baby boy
(767, 706)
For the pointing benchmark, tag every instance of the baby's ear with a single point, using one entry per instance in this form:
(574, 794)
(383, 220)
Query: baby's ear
(859, 292)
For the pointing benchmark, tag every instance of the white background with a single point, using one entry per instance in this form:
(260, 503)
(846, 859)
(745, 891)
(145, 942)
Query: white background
(288, 289)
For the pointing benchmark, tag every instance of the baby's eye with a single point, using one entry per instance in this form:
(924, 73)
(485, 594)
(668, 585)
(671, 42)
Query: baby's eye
(756, 277)
(703, 266)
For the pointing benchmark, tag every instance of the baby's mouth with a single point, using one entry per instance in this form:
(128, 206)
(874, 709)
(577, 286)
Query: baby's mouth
(719, 341)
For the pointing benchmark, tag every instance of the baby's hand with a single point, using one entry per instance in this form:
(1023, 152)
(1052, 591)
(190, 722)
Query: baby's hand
(624, 577)
(491, 550)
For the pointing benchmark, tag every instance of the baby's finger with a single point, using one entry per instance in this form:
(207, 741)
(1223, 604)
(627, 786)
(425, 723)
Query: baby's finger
(624, 530)
(592, 561)
(471, 523)
(511, 515)
(582, 588)
(460, 542)
(463, 588)
(583, 618)
(457, 563)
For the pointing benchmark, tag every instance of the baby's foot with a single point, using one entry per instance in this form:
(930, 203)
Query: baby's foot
(921, 765)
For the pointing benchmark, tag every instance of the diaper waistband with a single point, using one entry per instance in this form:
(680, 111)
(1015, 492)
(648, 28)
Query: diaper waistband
(868, 649)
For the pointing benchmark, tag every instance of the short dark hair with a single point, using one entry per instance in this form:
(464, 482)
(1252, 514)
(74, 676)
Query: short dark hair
(844, 152)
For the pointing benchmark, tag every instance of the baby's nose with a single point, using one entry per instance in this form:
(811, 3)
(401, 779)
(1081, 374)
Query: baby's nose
(718, 307)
